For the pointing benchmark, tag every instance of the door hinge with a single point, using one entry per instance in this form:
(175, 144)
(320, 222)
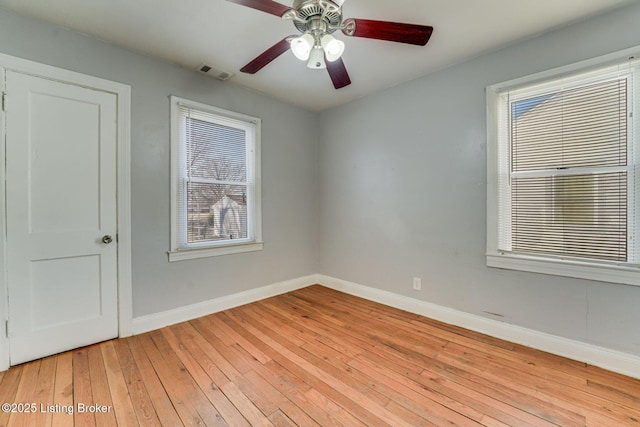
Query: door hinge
(6, 328)
(4, 101)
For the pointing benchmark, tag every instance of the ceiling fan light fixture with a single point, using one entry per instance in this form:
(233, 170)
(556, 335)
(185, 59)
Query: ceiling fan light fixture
(333, 47)
(316, 58)
(302, 46)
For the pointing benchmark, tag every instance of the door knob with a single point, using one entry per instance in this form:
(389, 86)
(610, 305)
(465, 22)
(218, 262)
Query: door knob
(107, 239)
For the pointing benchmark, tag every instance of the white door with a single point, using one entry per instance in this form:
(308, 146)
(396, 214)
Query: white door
(61, 216)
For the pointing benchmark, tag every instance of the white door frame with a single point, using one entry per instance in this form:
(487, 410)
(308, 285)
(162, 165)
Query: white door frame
(123, 94)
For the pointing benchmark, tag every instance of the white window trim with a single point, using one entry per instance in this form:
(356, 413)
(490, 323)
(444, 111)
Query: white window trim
(621, 273)
(253, 243)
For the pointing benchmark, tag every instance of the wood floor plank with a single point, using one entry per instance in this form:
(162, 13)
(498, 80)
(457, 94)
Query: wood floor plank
(569, 398)
(311, 344)
(307, 352)
(237, 338)
(286, 391)
(429, 405)
(100, 387)
(184, 381)
(563, 379)
(375, 333)
(290, 356)
(318, 357)
(459, 396)
(82, 393)
(411, 391)
(279, 419)
(296, 389)
(285, 382)
(142, 404)
(413, 419)
(213, 355)
(613, 387)
(8, 390)
(63, 391)
(293, 383)
(168, 376)
(245, 406)
(157, 394)
(261, 393)
(219, 370)
(44, 391)
(213, 390)
(124, 412)
(25, 395)
(225, 357)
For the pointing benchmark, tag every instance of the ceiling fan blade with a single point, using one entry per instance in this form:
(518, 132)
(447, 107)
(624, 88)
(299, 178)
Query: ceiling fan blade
(267, 56)
(391, 31)
(338, 73)
(268, 6)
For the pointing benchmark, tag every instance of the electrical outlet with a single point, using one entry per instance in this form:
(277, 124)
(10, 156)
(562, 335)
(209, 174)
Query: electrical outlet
(417, 283)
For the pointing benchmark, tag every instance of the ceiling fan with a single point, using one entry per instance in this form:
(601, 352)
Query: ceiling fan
(317, 20)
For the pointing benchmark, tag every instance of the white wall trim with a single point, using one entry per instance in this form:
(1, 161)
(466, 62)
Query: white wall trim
(123, 93)
(4, 298)
(125, 285)
(182, 314)
(616, 361)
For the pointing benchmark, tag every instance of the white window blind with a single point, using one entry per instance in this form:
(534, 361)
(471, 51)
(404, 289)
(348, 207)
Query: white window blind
(569, 170)
(214, 178)
(565, 158)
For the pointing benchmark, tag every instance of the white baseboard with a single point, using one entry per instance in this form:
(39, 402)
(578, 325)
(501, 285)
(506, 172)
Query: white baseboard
(182, 314)
(616, 361)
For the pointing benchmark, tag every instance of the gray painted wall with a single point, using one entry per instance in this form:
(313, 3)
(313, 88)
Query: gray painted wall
(403, 189)
(289, 168)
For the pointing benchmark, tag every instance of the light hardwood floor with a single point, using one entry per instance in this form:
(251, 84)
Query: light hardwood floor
(316, 357)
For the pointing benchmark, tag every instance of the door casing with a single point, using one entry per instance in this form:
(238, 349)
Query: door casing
(123, 94)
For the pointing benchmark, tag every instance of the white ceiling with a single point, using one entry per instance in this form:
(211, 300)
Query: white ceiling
(228, 35)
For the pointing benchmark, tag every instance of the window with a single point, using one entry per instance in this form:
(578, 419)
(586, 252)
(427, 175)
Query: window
(563, 156)
(215, 181)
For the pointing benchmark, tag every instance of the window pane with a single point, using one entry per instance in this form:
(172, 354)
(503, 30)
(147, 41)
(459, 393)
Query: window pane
(216, 212)
(215, 151)
(574, 215)
(581, 127)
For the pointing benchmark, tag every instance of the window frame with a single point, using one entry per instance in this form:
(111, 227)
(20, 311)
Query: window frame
(180, 250)
(498, 220)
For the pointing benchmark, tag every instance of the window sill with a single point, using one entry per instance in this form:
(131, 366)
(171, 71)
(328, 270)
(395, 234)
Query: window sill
(214, 251)
(613, 273)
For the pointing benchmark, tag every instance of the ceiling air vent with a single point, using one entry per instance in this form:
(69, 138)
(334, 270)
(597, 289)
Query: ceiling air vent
(214, 72)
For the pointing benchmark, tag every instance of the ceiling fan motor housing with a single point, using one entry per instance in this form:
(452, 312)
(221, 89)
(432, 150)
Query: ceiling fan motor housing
(310, 12)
